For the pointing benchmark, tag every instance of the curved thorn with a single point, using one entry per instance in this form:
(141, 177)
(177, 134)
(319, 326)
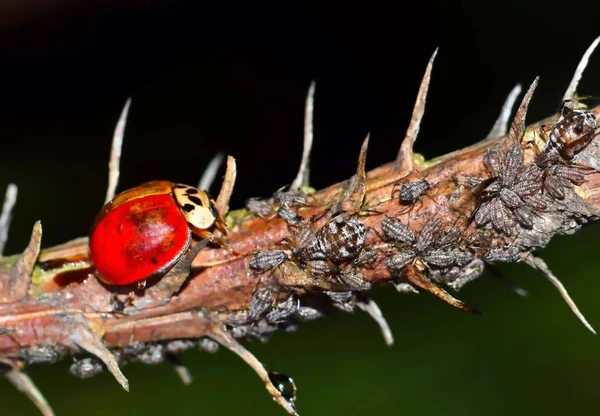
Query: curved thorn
(572, 88)
(115, 153)
(19, 276)
(405, 155)
(10, 199)
(302, 178)
(227, 187)
(354, 194)
(26, 385)
(181, 370)
(539, 264)
(85, 338)
(369, 306)
(210, 173)
(517, 128)
(501, 125)
(225, 339)
(416, 278)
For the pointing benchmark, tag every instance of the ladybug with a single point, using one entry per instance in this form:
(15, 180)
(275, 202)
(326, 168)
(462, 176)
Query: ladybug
(144, 231)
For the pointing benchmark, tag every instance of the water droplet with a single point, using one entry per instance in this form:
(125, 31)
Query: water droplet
(285, 385)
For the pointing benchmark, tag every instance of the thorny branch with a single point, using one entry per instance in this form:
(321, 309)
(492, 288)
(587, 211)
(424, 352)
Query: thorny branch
(302, 254)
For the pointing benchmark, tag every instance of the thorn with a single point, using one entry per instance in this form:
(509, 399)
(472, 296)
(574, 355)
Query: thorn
(24, 384)
(19, 276)
(539, 264)
(115, 153)
(517, 128)
(183, 373)
(228, 341)
(85, 338)
(10, 199)
(418, 279)
(501, 125)
(369, 306)
(405, 155)
(302, 178)
(227, 187)
(210, 173)
(572, 88)
(354, 194)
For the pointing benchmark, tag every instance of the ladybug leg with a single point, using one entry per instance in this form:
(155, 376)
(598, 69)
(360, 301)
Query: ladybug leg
(207, 235)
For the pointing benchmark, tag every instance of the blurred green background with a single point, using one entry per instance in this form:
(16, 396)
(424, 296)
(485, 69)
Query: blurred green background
(232, 77)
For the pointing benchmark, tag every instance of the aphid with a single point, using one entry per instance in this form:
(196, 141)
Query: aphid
(554, 187)
(42, 354)
(571, 133)
(366, 257)
(307, 313)
(439, 257)
(428, 234)
(462, 257)
(344, 301)
(510, 199)
(502, 254)
(409, 192)
(143, 232)
(283, 310)
(153, 354)
(238, 318)
(267, 260)
(483, 215)
(284, 385)
(399, 260)
(536, 201)
(261, 301)
(403, 287)
(179, 346)
(572, 174)
(501, 217)
(86, 368)
(289, 215)
(260, 207)
(319, 268)
(290, 198)
(449, 237)
(513, 160)
(524, 216)
(466, 274)
(354, 280)
(492, 160)
(208, 345)
(395, 231)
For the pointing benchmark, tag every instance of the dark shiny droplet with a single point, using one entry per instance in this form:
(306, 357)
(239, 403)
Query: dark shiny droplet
(284, 385)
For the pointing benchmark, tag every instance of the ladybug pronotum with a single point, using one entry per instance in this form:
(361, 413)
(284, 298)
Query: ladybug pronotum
(144, 231)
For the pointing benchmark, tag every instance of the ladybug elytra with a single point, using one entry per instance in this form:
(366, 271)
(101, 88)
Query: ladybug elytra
(144, 231)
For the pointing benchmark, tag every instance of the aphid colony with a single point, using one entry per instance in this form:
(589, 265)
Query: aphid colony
(514, 194)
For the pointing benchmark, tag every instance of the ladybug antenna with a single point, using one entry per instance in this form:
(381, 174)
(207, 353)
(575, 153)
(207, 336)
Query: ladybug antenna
(572, 88)
(302, 178)
(539, 264)
(210, 173)
(500, 127)
(10, 198)
(115, 153)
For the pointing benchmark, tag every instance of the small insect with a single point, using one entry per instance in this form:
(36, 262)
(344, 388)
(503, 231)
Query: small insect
(571, 133)
(261, 301)
(260, 207)
(344, 301)
(456, 277)
(208, 345)
(439, 257)
(354, 280)
(366, 257)
(396, 262)
(395, 231)
(284, 310)
(264, 261)
(409, 192)
(289, 215)
(290, 198)
(502, 254)
(307, 313)
(144, 231)
(86, 368)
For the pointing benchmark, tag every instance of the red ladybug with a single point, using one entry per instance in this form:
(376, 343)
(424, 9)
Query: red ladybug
(144, 231)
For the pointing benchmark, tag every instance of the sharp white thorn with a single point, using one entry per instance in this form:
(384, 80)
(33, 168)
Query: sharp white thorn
(302, 178)
(572, 88)
(500, 127)
(210, 173)
(369, 306)
(115, 153)
(539, 264)
(26, 385)
(10, 199)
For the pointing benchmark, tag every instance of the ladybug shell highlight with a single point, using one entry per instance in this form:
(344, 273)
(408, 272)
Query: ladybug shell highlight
(141, 233)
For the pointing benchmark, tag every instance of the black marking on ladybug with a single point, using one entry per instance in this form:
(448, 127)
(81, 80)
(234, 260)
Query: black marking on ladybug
(188, 207)
(192, 191)
(195, 200)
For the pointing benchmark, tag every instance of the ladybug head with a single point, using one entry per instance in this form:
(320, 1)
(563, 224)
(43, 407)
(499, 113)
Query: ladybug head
(196, 206)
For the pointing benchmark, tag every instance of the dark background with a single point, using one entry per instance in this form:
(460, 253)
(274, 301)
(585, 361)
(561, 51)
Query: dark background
(232, 77)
